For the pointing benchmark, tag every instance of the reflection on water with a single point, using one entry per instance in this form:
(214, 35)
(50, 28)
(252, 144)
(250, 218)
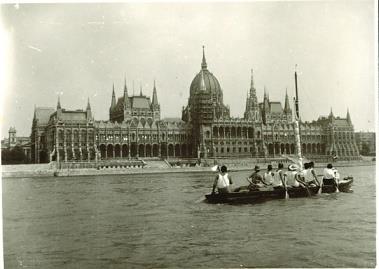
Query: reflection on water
(162, 221)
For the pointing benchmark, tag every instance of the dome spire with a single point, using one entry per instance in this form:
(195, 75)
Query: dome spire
(59, 103)
(202, 82)
(203, 62)
(252, 80)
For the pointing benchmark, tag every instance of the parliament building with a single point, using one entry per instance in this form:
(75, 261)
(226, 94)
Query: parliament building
(135, 129)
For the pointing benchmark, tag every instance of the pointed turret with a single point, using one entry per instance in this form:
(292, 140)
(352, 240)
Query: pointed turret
(59, 108)
(88, 110)
(203, 62)
(247, 103)
(331, 113)
(252, 80)
(88, 105)
(126, 96)
(140, 90)
(287, 107)
(154, 102)
(59, 103)
(348, 116)
(113, 103)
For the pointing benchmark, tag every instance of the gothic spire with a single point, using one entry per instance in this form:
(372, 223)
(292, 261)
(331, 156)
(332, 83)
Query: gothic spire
(287, 103)
(88, 105)
(265, 93)
(59, 103)
(113, 103)
(252, 80)
(348, 116)
(126, 97)
(140, 90)
(331, 113)
(155, 97)
(204, 62)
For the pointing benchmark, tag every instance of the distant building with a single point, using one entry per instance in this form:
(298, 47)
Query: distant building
(206, 129)
(366, 139)
(14, 140)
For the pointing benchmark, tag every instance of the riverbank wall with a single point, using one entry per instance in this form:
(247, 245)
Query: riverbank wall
(49, 170)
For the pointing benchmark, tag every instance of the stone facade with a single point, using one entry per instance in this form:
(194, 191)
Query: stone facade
(206, 130)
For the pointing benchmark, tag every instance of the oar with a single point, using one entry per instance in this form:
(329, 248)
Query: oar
(305, 185)
(337, 190)
(285, 187)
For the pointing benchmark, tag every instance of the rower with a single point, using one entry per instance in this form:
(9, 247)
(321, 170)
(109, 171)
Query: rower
(308, 176)
(222, 181)
(313, 174)
(279, 177)
(269, 175)
(292, 176)
(256, 179)
(329, 175)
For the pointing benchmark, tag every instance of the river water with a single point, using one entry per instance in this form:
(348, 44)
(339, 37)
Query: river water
(144, 221)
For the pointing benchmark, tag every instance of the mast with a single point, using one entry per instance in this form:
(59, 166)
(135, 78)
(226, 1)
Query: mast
(297, 125)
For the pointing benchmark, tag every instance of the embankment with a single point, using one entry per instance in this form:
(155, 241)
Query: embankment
(48, 170)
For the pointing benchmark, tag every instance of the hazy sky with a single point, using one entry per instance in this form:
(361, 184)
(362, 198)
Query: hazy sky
(79, 50)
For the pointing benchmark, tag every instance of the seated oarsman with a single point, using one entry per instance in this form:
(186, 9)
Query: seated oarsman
(292, 177)
(312, 171)
(269, 175)
(257, 181)
(222, 181)
(308, 176)
(336, 174)
(329, 176)
(279, 180)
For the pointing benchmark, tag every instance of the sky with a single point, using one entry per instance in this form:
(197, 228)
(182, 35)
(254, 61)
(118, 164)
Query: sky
(77, 51)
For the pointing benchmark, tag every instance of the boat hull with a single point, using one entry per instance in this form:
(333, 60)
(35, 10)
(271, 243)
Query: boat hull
(343, 186)
(264, 195)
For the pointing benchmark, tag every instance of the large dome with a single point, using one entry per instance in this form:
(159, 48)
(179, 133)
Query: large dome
(210, 84)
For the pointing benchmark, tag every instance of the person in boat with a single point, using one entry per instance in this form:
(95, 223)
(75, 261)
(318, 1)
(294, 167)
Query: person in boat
(292, 176)
(329, 177)
(307, 175)
(257, 181)
(269, 175)
(312, 175)
(336, 174)
(279, 179)
(222, 181)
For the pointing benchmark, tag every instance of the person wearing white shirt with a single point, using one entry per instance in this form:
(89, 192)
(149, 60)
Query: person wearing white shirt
(329, 175)
(269, 175)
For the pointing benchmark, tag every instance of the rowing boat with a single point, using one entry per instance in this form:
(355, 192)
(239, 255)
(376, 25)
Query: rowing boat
(256, 196)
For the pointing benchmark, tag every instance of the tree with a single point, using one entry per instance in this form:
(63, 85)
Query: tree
(365, 149)
(14, 156)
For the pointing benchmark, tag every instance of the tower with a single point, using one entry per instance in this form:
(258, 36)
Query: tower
(59, 108)
(88, 111)
(12, 137)
(287, 109)
(266, 107)
(252, 108)
(113, 101)
(155, 107)
(126, 101)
